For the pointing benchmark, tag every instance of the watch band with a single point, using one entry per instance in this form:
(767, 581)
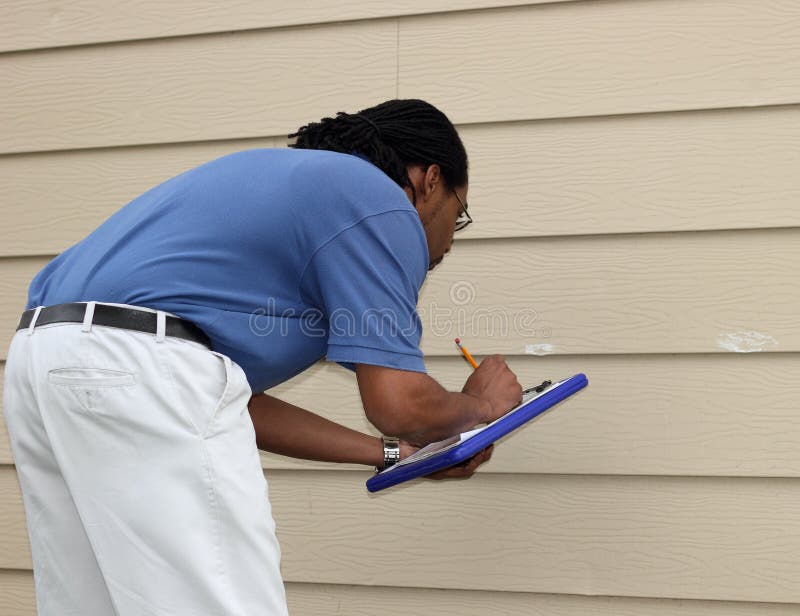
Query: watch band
(391, 451)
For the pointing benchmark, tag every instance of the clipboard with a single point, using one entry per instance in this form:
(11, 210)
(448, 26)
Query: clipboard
(461, 447)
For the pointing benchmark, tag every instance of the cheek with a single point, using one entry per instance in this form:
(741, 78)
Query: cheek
(443, 231)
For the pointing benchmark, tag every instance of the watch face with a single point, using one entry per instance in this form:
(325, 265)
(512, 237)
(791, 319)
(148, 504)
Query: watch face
(391, 451)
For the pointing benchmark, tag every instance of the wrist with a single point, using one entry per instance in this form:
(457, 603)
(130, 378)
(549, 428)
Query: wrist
(377, 453)
(390, 446)
(483, 409)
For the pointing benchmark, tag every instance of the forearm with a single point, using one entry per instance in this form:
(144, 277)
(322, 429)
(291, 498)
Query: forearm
(439, 415)
(421, 411)
(289, 430)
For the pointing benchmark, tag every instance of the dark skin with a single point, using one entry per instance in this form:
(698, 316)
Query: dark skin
(410, 405)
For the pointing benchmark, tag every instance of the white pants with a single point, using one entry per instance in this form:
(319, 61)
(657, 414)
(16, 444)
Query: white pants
(141, 479)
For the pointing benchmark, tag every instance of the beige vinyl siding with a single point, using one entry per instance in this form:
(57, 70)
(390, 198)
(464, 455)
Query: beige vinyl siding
(611, 57)
(730, 415)
(680, 415)
(219, 86)
(91, 185)
(16, 599)
(678, 537)
(16, 593)
(319, 600)
(652, 172)
(16, 552)
(33, 23)
(658, 293)
(541, 61)
(634, 185)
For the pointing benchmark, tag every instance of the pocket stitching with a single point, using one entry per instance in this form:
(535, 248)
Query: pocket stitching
(119, 378)
(201, 430)
(222, 399)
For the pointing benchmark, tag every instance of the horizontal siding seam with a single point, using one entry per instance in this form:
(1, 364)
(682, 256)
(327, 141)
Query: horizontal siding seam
(566, 237)
(279, 27)
(622, 477)
(538, 594)
(575, 118)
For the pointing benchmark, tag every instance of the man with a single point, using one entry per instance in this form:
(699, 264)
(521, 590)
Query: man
(144, 345)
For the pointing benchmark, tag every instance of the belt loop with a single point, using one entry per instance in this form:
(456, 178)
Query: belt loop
(34, 319)
(88, 316)
(161, 325)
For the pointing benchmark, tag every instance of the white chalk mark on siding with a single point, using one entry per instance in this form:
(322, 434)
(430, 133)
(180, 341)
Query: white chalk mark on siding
(538, 349)
(745, 341)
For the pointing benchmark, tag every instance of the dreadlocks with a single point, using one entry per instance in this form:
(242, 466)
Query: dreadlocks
(392, 135)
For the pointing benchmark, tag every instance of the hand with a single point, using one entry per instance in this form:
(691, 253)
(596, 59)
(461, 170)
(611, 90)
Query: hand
(406, 449)
(466, 469)
(460, 471)
(493, 383)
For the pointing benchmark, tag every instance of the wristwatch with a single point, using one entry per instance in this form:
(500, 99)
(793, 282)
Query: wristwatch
(391, 452)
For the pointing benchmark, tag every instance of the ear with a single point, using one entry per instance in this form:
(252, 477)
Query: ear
(433, 179)
(417, 176)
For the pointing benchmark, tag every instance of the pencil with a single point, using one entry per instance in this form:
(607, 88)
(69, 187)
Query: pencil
(466, 353)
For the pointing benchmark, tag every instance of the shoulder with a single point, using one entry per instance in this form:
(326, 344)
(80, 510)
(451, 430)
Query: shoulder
(330, 174)
(346, 176)
(333, 192)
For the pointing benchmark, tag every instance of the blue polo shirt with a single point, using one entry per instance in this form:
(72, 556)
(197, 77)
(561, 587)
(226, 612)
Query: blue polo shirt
(281, 256)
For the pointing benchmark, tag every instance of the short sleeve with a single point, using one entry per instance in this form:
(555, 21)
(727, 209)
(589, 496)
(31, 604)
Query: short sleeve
(366, 281)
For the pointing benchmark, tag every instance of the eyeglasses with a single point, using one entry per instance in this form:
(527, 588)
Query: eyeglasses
(464, 219)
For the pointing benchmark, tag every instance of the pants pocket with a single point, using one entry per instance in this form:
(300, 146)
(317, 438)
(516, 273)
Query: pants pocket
(90, 377)
(95, 390)
(199, 380)
(221, 401)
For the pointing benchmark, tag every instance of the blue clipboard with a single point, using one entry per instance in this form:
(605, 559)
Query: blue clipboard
(459, 448)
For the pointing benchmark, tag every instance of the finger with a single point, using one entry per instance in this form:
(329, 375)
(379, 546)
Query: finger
(460, 471)
(485, 455)
(481, 458)
(466, 469)
(476, 461)
(453, 472)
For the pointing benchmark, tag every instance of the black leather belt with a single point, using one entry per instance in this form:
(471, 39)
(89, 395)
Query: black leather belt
(115, 316)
